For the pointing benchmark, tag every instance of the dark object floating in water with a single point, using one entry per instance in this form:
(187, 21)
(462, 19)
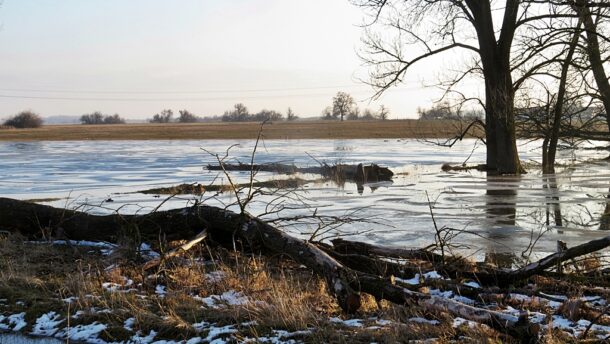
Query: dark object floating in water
(361, 173)
(448, 167)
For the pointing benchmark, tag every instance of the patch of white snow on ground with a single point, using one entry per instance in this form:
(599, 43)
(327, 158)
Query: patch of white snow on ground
(215, 332)
(230, 298)
(424, 321)
(128, 323)
(349, 322)
(473, 284)
(85, 333)
(160, 290)
(147, 252)
(14, 322)
(139, 339)
(46, 325)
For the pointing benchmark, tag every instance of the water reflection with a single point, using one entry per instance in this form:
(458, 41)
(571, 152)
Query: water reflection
(604, 222)
(501, 208)
(16, 338)
(553, 205)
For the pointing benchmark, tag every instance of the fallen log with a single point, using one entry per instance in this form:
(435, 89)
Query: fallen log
(363, 173)
(36, 220)
(485, 276)
(346, 246)
(344, 283)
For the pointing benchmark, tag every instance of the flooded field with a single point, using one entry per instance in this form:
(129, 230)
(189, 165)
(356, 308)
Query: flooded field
(488, 214)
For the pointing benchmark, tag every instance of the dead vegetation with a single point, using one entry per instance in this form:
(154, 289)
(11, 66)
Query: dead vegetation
(77, 284)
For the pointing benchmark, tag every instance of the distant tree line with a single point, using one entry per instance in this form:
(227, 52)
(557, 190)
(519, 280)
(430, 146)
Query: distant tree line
(167, 116)
(99, 118)
(24, 119)
(240, 113)
(447, 111)
(344, 107)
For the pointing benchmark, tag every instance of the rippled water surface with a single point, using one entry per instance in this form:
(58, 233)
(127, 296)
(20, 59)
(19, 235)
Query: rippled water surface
(498, 214)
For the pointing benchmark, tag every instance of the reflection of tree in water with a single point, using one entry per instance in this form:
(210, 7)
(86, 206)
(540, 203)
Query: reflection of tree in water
(550, 184)
(501, 210)
(604, 221)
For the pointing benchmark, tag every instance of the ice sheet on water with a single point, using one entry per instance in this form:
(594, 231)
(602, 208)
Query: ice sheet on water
(89, 172)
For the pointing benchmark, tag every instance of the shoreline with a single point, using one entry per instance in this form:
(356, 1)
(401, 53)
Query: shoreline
(298, 130)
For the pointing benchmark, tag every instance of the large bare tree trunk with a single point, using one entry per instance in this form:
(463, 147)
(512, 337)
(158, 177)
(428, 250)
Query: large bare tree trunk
(548, 160)
(597, 64)
(502, 154)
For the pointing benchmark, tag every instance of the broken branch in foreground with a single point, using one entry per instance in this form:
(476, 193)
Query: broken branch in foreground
(226, 227)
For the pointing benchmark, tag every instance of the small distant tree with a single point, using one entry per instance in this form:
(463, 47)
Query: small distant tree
(187, 117)
(114, 119)
(99, 118)
(439, 111)
(327, 113)
(267, 115)
(368, 115)
(238, 114)
(290, 115)
(24, 119)
(164, 117)
(343, 105)
(353, 114)
(383, 113)
(92, 118)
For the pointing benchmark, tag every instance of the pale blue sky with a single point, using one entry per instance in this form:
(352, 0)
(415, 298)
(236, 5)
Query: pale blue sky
(137, 57)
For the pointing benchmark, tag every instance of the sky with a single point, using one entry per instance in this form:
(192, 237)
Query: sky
(138, 57)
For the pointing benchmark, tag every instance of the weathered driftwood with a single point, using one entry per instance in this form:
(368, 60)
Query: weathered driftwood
(364, 173)
(199, 189)
(177, 251)
(448, 167)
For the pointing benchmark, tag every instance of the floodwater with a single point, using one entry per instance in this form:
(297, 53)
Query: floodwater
(485, 214)
(17, 338)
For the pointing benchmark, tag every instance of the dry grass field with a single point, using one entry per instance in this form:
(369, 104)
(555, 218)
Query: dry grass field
(249, 130)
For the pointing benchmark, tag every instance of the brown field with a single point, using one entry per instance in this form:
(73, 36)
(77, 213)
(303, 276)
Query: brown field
(203, 131)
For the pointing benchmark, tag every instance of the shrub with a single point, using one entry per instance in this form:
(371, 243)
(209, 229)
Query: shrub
(187, 117)
(114, 119)
(99, 118)
(24, 119)
(164, 117)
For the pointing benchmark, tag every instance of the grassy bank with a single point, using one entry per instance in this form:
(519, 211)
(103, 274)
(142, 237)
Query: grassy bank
(206, 131)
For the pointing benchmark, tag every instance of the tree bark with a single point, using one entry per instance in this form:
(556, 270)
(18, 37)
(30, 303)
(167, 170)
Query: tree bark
(502, 154)
(594, 54)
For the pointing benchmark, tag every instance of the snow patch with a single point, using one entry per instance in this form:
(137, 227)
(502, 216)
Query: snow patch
(46, 325)
(229, 298)
(86, 333)
(349, 322)
(160, 290)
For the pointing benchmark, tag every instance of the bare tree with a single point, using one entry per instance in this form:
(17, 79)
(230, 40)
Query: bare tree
(290, 115)
(584, 9)
(424, 29)
(383, 113)
(343, 105)
(187, 117)
(164, 117)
